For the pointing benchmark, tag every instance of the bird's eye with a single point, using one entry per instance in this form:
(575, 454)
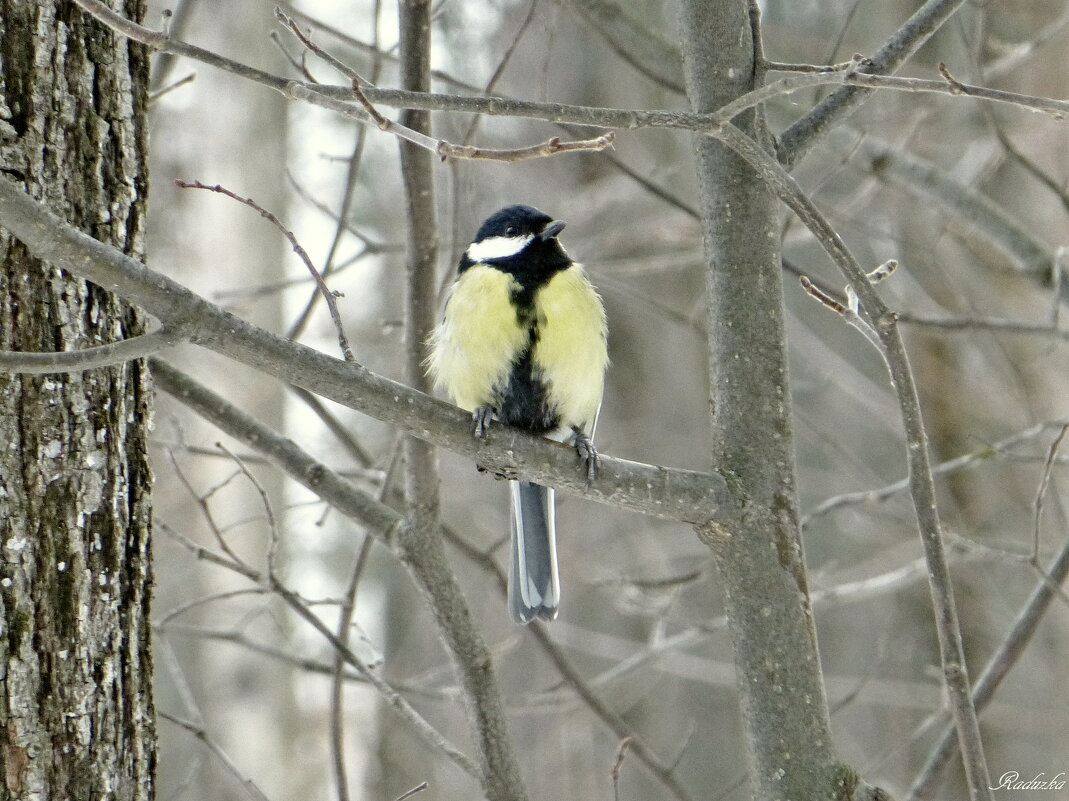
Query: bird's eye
(510, 231)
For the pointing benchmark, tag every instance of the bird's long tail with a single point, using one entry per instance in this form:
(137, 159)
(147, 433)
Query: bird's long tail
(534, 586)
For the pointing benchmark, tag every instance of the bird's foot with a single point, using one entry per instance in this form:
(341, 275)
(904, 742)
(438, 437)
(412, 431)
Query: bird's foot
(588, 454)
(482, 417)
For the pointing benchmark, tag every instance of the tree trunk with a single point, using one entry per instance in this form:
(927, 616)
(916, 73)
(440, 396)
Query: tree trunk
(76, 714)
(759, 553)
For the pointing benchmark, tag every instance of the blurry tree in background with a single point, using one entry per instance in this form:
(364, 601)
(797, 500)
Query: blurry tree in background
(329, 633)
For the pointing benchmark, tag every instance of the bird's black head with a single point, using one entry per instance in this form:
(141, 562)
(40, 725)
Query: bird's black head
(518, 238)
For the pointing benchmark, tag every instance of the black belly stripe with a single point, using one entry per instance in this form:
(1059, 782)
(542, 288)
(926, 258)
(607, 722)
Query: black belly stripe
(525, 400)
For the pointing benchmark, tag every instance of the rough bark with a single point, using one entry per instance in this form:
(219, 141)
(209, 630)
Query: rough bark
(759, 552)
(76, 715)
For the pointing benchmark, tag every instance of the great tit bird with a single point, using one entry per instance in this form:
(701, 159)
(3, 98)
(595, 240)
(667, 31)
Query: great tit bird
(523, 341)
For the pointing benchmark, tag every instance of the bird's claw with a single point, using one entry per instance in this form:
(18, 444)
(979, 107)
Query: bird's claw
(588, 454)
(482, 417)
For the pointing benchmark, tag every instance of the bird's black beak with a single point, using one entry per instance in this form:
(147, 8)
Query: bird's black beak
(551, 230)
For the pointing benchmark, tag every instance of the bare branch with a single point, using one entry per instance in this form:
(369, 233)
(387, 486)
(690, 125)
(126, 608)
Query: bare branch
(1057, 109)
(444, 150)
(945, 468)
(242, 640)
(381, 521)
(247, 785)
(820, 295)
(657, 767)
(686, 495)
(550, 147)
(800, 137)
(993, 324)
(337, 680)
(381, 122)
(1041, 490)
(306, 40)
(372, 48)
(419, 788)
(327, 293)
(73, 361)
(156, 95)
(621, 752)
(779, 66)
(1004, 658)
(856, 85)
(643, 48)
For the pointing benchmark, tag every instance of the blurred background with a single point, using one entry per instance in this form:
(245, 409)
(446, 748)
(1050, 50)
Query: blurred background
(970, 198)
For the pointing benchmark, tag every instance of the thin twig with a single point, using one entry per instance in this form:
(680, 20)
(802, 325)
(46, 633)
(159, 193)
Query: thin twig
(310, 45)
(1004, 658)
(550, 147)
(381, 521)
(382, 123)
(1041, 491)
(1057, 109)
(247, 785)
(242, 640)
(274, 537)
(328, 295)
(201, 499)
(820, 295)
(994, 324)
(445, 150)
(345, 624)
(372, 48)
(779, 66)
(156, 95)
(621, 752)
(337, 681)
(884, 336)
(419, 788)
(948, 467)
(300, 65)
(804, 133)
(206, 599)
(206, 554)
(573, 678)
(502, 63)
(337, 98)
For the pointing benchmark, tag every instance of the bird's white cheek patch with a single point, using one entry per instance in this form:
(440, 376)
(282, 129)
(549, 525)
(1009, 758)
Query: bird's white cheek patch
(498, 247)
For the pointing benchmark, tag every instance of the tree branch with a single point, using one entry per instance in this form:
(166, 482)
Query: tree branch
(900, 168)
(381, 521)
(856, 86)
(671, 493)
(998, 666)
(250, 787)
(800, 137)
(73, 361)
(645, 50)
(302, 254)
(948, 467)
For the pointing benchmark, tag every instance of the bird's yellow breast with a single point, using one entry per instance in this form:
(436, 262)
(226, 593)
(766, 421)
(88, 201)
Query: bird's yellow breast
(570, 351)
(484, 335)
(473, 349)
